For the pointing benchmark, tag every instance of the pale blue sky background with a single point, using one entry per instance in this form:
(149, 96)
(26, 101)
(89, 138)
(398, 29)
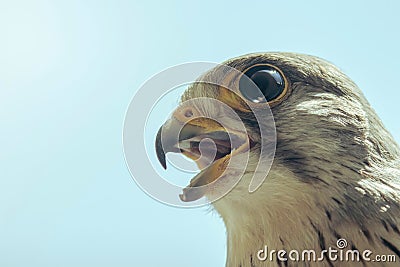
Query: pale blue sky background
(68, 70)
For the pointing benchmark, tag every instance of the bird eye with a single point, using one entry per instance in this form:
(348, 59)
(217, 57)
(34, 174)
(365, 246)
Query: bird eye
(269, 80)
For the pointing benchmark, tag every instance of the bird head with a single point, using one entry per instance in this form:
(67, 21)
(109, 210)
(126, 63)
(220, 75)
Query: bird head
(321, 124)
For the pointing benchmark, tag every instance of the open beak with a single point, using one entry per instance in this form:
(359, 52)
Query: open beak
(206, 142)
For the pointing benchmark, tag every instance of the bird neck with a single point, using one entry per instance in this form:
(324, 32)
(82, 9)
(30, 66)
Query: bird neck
(254, 223)
(271, 217)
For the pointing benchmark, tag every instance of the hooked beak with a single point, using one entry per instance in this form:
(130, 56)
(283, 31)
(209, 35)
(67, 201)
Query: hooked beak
(170, 135)
(206, 142)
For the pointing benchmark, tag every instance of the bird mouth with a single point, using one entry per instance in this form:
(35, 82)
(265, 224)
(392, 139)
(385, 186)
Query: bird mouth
(206, 142)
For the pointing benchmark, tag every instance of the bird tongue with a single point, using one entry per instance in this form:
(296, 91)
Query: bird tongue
(198, 185)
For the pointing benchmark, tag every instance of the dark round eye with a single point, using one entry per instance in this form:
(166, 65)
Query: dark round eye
(269, 81)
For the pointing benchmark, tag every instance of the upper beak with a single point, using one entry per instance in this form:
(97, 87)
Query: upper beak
(170, 134)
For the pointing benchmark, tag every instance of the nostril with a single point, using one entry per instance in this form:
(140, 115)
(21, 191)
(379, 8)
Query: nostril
(188, 113)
